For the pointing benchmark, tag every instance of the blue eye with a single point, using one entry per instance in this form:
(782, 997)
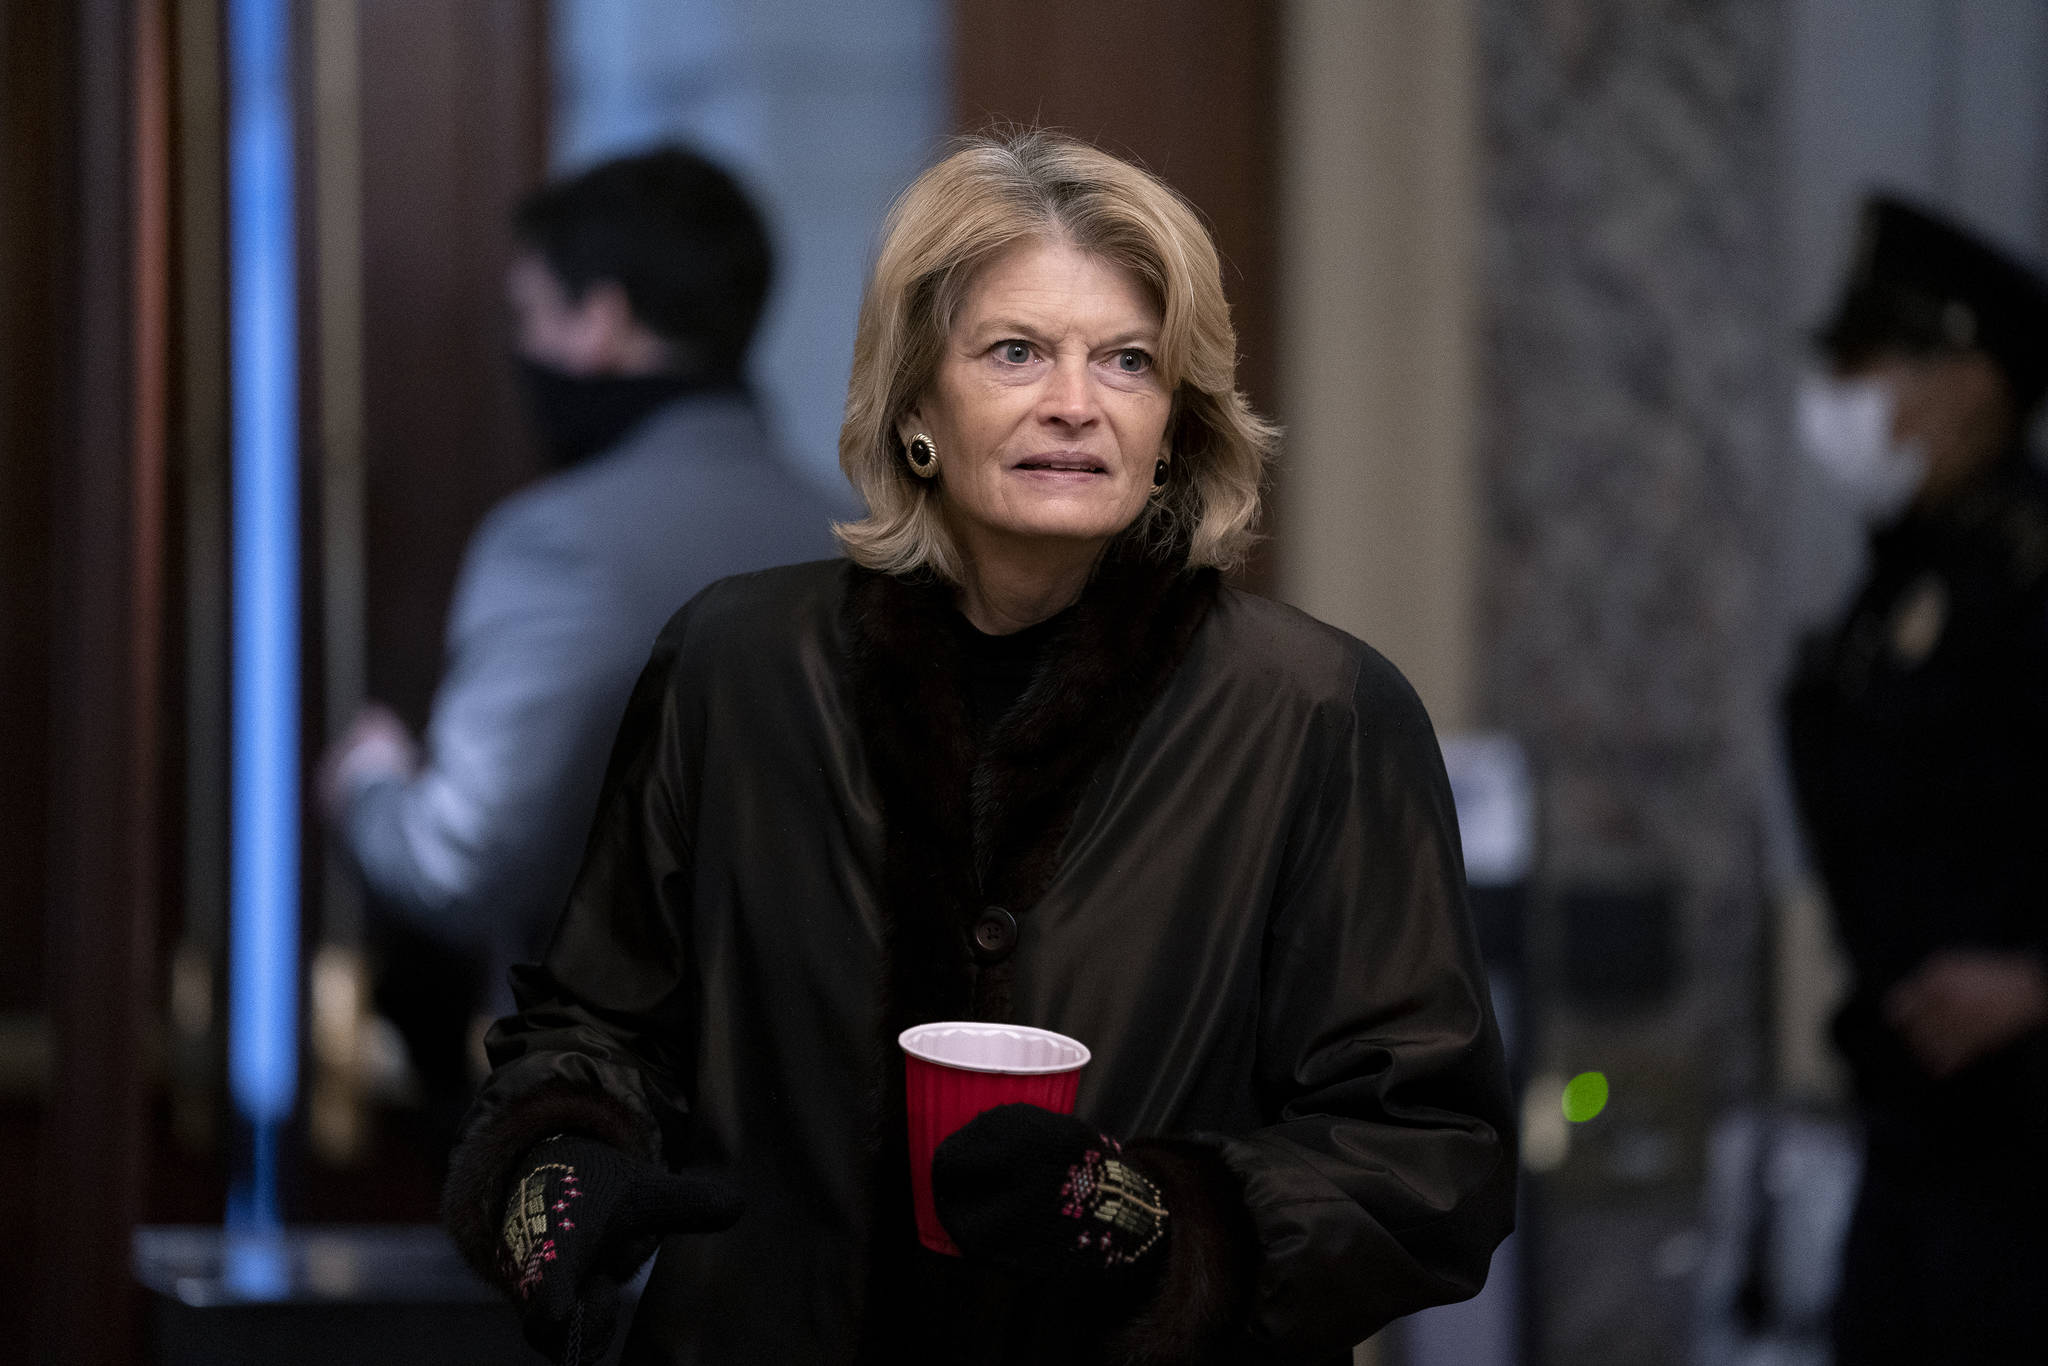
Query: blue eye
(1015, 352)
(1133, 361)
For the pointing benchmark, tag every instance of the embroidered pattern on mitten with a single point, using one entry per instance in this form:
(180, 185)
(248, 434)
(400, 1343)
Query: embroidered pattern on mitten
(1122, 1212)
(528, 1241)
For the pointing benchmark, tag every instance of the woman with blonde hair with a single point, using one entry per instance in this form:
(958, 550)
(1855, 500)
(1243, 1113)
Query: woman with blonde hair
(1019, 756)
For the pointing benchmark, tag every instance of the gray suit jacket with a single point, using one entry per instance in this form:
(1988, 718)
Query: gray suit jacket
(561, 594)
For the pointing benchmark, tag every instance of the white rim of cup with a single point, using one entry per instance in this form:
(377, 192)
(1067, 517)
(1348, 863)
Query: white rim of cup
(909, 1045)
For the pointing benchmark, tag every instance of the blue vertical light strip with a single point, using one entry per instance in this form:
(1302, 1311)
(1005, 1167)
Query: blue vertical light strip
(263, 894)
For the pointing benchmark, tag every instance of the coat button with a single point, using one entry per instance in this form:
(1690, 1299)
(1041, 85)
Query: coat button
(995, 934)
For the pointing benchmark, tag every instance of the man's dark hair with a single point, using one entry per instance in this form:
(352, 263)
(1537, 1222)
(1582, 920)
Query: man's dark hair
(675, 232)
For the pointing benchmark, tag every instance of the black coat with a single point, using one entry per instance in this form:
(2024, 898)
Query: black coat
(1224, 832)
(1918, 736)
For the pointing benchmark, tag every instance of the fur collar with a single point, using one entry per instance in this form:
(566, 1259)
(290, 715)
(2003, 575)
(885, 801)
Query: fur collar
(965, 829)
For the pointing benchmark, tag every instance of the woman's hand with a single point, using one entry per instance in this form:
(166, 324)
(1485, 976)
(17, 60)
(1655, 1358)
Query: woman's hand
(1962, 1005)
(1048, 1194)
(579, 1222)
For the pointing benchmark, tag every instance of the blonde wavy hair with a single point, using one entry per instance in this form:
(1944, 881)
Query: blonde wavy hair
(991, 193)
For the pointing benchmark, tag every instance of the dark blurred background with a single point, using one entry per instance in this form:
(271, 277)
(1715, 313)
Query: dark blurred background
(1527, 281)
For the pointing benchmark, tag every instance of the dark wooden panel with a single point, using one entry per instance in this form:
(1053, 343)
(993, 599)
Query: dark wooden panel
(36, 157)
(454, 119)
(35, 202)
(107, 482)
(1186, 87)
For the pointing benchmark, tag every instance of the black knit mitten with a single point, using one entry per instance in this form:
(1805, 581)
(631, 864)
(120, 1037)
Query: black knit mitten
(580, 1220)
(1049, 1195)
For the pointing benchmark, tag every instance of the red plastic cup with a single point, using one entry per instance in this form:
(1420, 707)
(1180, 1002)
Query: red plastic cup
(956, 1069)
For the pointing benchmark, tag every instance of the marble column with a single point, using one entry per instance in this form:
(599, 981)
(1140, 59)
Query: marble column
(1631, 445)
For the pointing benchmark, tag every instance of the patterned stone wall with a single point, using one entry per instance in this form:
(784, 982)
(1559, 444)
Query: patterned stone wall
(1632, 449)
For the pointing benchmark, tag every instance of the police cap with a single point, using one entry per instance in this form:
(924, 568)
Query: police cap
(1921, 283)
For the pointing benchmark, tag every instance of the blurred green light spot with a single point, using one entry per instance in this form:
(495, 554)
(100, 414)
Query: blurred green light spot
(1585, 1096)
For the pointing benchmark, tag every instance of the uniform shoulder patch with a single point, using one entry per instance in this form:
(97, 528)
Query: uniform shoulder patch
(1918, 620)
(2023, 536)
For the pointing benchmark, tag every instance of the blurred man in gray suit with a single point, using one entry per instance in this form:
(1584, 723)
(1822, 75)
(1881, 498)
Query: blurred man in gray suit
(634, 296)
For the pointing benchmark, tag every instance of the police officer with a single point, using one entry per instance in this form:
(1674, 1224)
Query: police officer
(1918, 736)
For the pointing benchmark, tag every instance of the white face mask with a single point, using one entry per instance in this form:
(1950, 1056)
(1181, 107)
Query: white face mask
(1845, 427)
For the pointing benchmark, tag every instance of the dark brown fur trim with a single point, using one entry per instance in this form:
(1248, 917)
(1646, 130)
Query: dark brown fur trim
(485, 1163)
(1127, 637)
(1211, 1258)
(966, 828)
(906, 669)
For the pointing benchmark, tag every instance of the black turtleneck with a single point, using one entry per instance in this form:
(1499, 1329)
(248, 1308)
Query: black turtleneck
(1000, 668)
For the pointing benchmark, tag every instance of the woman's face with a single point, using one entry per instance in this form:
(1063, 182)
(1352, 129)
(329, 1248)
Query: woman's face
(1047, 409)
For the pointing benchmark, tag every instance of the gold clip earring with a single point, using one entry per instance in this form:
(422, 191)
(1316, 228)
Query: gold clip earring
(923, 456)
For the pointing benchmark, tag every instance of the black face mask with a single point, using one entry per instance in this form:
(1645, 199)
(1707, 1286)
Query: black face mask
(584, 415)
